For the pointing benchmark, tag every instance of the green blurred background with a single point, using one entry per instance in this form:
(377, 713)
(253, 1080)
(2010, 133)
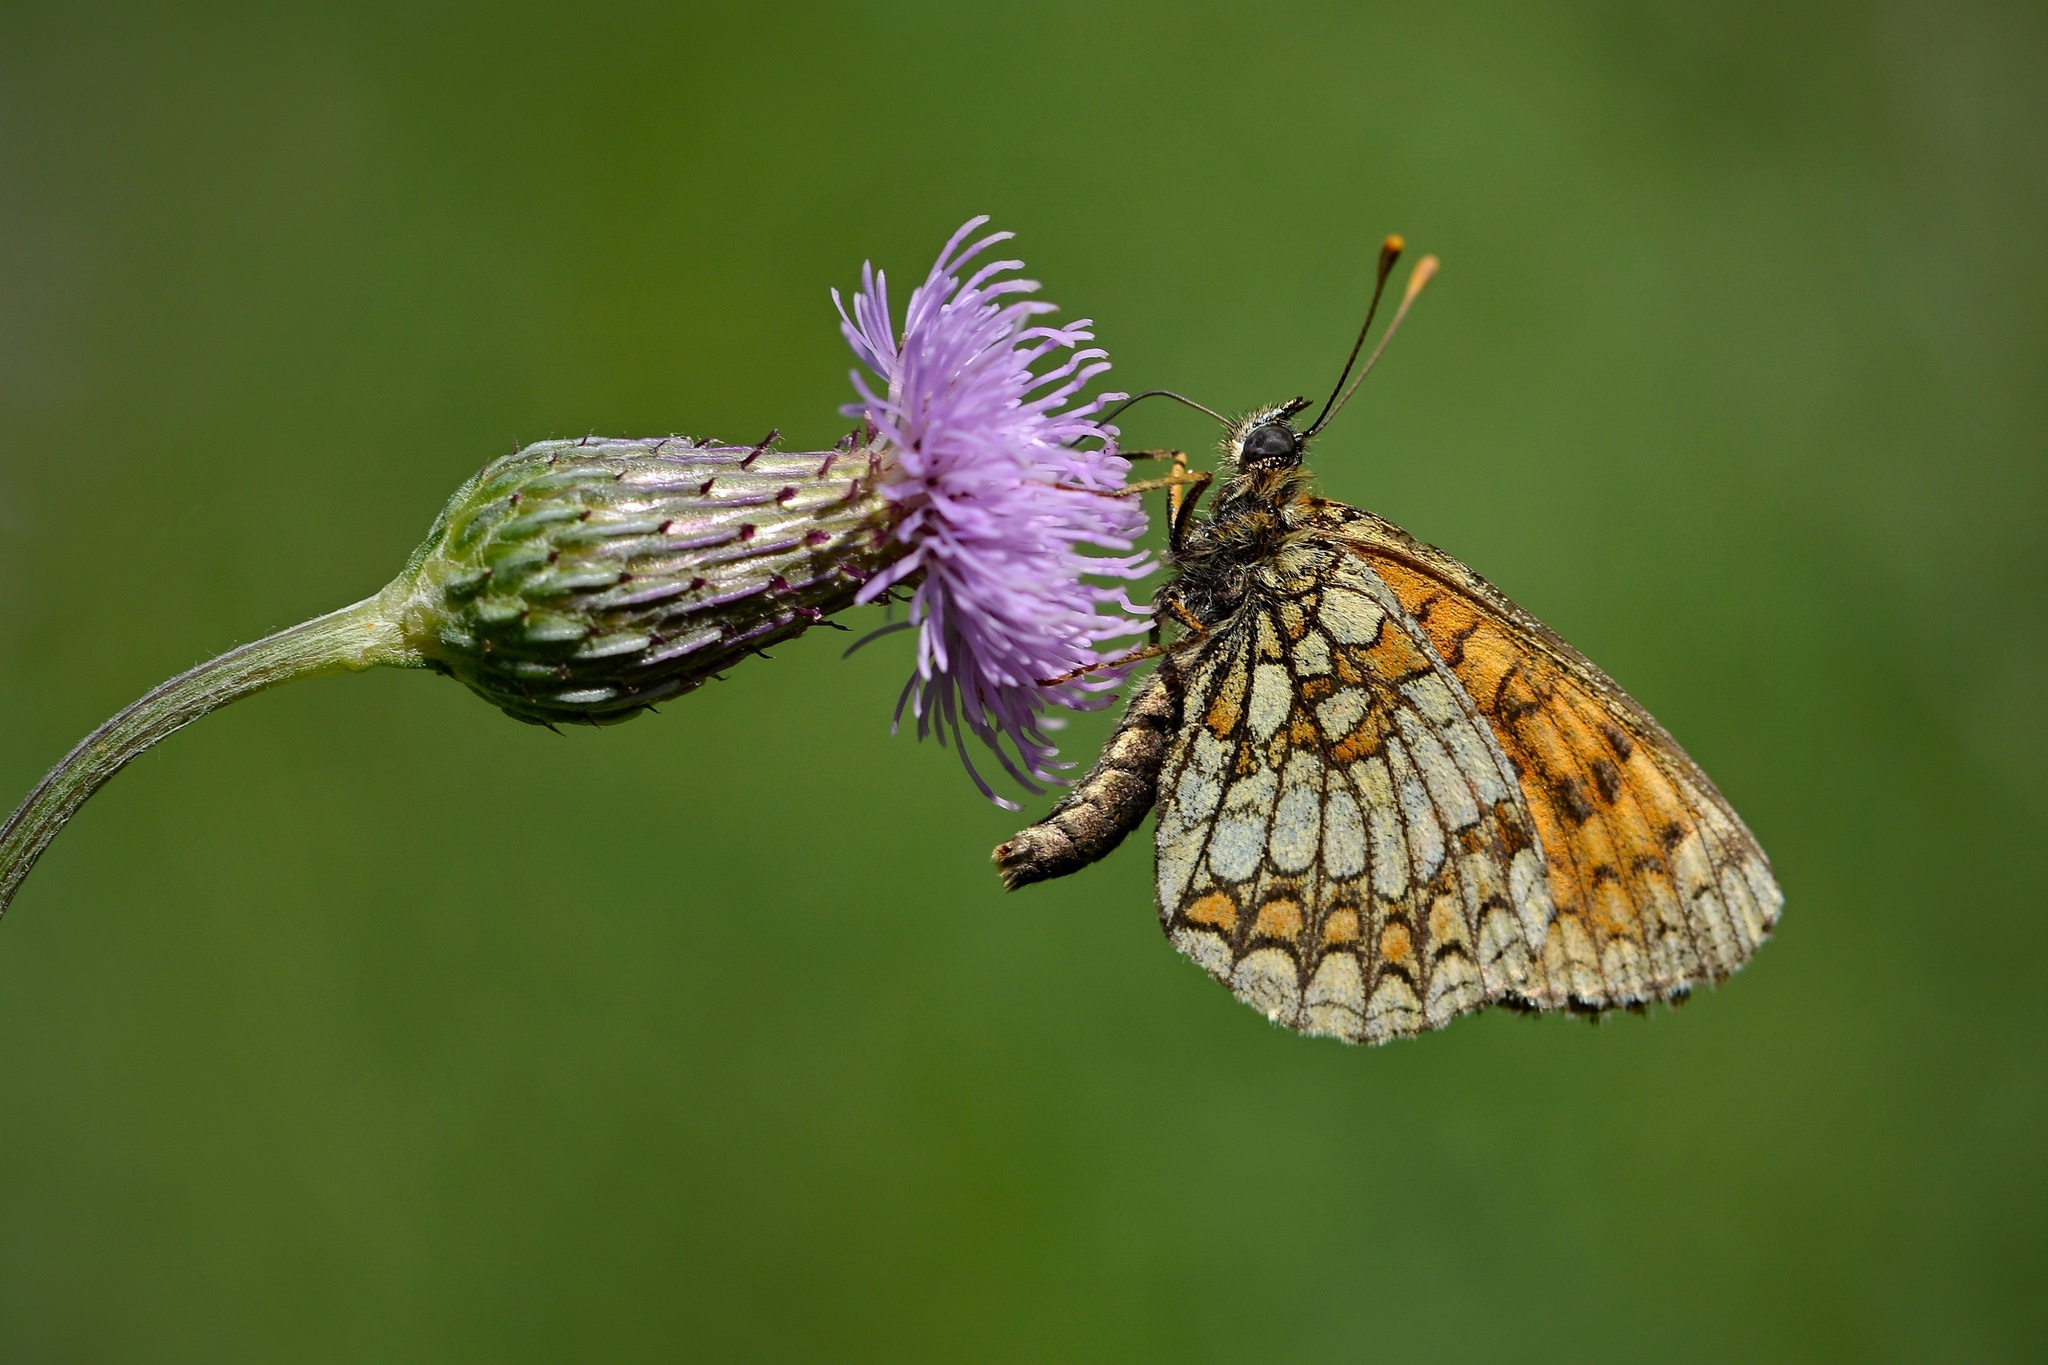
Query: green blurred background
(359, 1023)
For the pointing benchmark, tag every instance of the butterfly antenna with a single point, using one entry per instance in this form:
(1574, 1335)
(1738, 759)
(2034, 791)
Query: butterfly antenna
(1390, 252)
(1163, 393)
(1418, 277)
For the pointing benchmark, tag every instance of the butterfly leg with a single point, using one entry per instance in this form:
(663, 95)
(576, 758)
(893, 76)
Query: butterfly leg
(1170, 599)
(1106, 805)
(1181, 505)
(1184, 489)
(1197, 632)
(1175, 481)
(1136, 656)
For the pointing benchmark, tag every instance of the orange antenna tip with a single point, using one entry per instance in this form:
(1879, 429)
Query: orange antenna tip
(1419, 276)
(1390, 251)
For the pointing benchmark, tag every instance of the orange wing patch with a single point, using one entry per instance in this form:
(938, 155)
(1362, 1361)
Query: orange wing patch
(1338, 841)
(1656, 883)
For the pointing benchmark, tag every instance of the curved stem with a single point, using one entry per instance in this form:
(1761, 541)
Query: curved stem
(349, 640)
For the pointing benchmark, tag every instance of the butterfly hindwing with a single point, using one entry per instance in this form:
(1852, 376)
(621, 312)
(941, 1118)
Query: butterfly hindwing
(1340, 841)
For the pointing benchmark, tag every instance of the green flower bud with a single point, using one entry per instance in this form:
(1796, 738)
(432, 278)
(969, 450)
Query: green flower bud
(572, 581)
(581, 581)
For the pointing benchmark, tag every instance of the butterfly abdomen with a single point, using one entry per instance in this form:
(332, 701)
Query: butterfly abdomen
(1214, 574)
(1108, 804)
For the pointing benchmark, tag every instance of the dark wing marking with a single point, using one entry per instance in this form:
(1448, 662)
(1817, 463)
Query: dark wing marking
(1657, 883)
(1340, 841)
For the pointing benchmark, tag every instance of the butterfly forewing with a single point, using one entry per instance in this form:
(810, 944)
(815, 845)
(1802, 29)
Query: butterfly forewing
(1656, 883)
(1340, 840)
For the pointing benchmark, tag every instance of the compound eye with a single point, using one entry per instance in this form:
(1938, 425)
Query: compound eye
(1270, 444)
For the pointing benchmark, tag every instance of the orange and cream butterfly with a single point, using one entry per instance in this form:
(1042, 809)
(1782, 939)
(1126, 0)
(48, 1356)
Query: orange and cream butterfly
(1387, 795)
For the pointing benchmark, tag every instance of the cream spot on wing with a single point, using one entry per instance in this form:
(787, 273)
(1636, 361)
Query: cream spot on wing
(1337, 981)
(1335, 1001)
(1225, 703)
(1453, 988)
(1475, 759)
(1447, 923)
(1236, 845)
(1671, 951)
(1239, 840)
(1393, 1008)
(1295, 822)
(1529, 891)
(1445, 780)
(1312, 655)
(1389, 855)
(1207, 949)
(1502, 947)
(1343, 836)
(1689, 860)
(1340, 712)
(1425, 836)
(1623, 967)
(1201, 783)
(1696, 877)
(1252, 793)
(1176, 864)
(1480, 877)
(1350, 618)
(1768, 897)
(1569, 960)
(1469, 750)
(1272, 699)
(1432, 696)
(1266, 980)
(1267, 635)
(1735, 895)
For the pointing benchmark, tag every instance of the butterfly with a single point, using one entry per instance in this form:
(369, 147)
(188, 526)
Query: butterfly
(1386, 795)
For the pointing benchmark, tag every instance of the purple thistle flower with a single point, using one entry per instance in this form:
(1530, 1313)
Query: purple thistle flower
(995, 502)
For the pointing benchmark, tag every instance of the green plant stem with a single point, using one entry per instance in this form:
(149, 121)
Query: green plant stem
(350, 640)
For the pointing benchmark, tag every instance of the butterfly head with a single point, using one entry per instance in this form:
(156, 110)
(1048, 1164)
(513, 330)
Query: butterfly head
(1265, 438)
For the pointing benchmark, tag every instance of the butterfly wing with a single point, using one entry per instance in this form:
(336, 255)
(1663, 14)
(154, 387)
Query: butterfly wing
(1341, 841)
(1656, 883)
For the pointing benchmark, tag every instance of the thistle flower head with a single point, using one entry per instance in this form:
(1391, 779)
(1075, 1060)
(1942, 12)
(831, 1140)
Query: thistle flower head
(1005, 520)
